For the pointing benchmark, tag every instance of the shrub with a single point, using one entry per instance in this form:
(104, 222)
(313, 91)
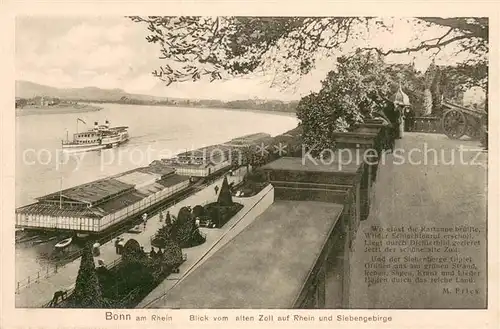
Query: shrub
(225, 198)
(172, 256)
(198, 211)
(161, 237)
(220, 215)
(184, 230)
(184, 215)
(255, 176)
(88, 291)
(159, 241)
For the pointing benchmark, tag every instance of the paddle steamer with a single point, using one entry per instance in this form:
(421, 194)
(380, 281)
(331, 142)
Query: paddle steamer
(100, 137)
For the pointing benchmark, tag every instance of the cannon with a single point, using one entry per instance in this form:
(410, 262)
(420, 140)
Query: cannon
(458, 121)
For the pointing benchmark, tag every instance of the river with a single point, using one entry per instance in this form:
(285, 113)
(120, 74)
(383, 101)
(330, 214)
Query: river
(155, 132)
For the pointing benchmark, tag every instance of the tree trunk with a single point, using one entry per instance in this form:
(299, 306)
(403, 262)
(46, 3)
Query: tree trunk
(427, 102)
(436, 92)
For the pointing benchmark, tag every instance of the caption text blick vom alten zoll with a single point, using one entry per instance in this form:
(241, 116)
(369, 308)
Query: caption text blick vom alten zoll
(201, 318)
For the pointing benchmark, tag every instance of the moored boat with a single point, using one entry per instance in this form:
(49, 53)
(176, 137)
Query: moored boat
(136, 229)
(64, 243)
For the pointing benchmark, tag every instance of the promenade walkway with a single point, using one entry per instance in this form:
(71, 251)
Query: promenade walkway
(42, 292)
(215, 239)
(439, 194)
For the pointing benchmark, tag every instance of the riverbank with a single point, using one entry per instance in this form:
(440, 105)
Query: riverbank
(62, 109)
(221, 106)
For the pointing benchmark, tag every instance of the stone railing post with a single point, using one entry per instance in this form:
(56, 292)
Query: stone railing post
(368, 141)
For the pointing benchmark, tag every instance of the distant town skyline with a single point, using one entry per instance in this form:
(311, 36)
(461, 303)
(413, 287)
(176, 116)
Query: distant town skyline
(111, 52)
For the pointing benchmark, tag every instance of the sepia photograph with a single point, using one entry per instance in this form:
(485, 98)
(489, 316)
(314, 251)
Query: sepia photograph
(251, 163)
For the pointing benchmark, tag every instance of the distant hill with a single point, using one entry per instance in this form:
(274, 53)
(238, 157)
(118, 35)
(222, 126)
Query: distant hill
(27, 89)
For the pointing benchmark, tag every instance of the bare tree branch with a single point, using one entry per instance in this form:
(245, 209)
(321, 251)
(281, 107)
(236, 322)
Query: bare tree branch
(235, 46)
(478, 29)
(422, 46)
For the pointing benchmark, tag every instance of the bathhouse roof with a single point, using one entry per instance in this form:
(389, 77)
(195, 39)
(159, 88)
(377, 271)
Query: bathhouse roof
(91, 192)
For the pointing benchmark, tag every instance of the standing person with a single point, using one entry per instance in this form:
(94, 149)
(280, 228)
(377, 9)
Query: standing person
(399, 116)
(168, 219)
(216, 188)
(409, 122)
(387, 131)
(388, 114)
(401, 102)
(121, 244)
(117, 241)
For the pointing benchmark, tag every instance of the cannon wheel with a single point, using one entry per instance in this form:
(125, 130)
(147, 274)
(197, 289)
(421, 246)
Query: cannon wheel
(454, 124)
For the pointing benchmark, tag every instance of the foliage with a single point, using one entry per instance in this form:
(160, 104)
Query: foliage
(286, 144)
(132, 278)
(88, 293)
(184, 230)
(359, 87)
(132, 252)
(225, 198)
(213, 212)
(220, 215)
(253, 182)
(216, 47)
(198, 211)
(162, 236)
(454, 80)
(251, 188)
(259, 158)
(184, 215)
(172, 256)
(427, 108)
(125, 284)
(412, 82)
(134, 275)
(436, 90)
(468, 75)
(255, 176)
(484, 140)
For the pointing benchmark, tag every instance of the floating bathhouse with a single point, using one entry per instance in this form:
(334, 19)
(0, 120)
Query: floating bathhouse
(101, 204)
(201, 162)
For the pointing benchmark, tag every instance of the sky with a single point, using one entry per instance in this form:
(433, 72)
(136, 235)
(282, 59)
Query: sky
(111, 52)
